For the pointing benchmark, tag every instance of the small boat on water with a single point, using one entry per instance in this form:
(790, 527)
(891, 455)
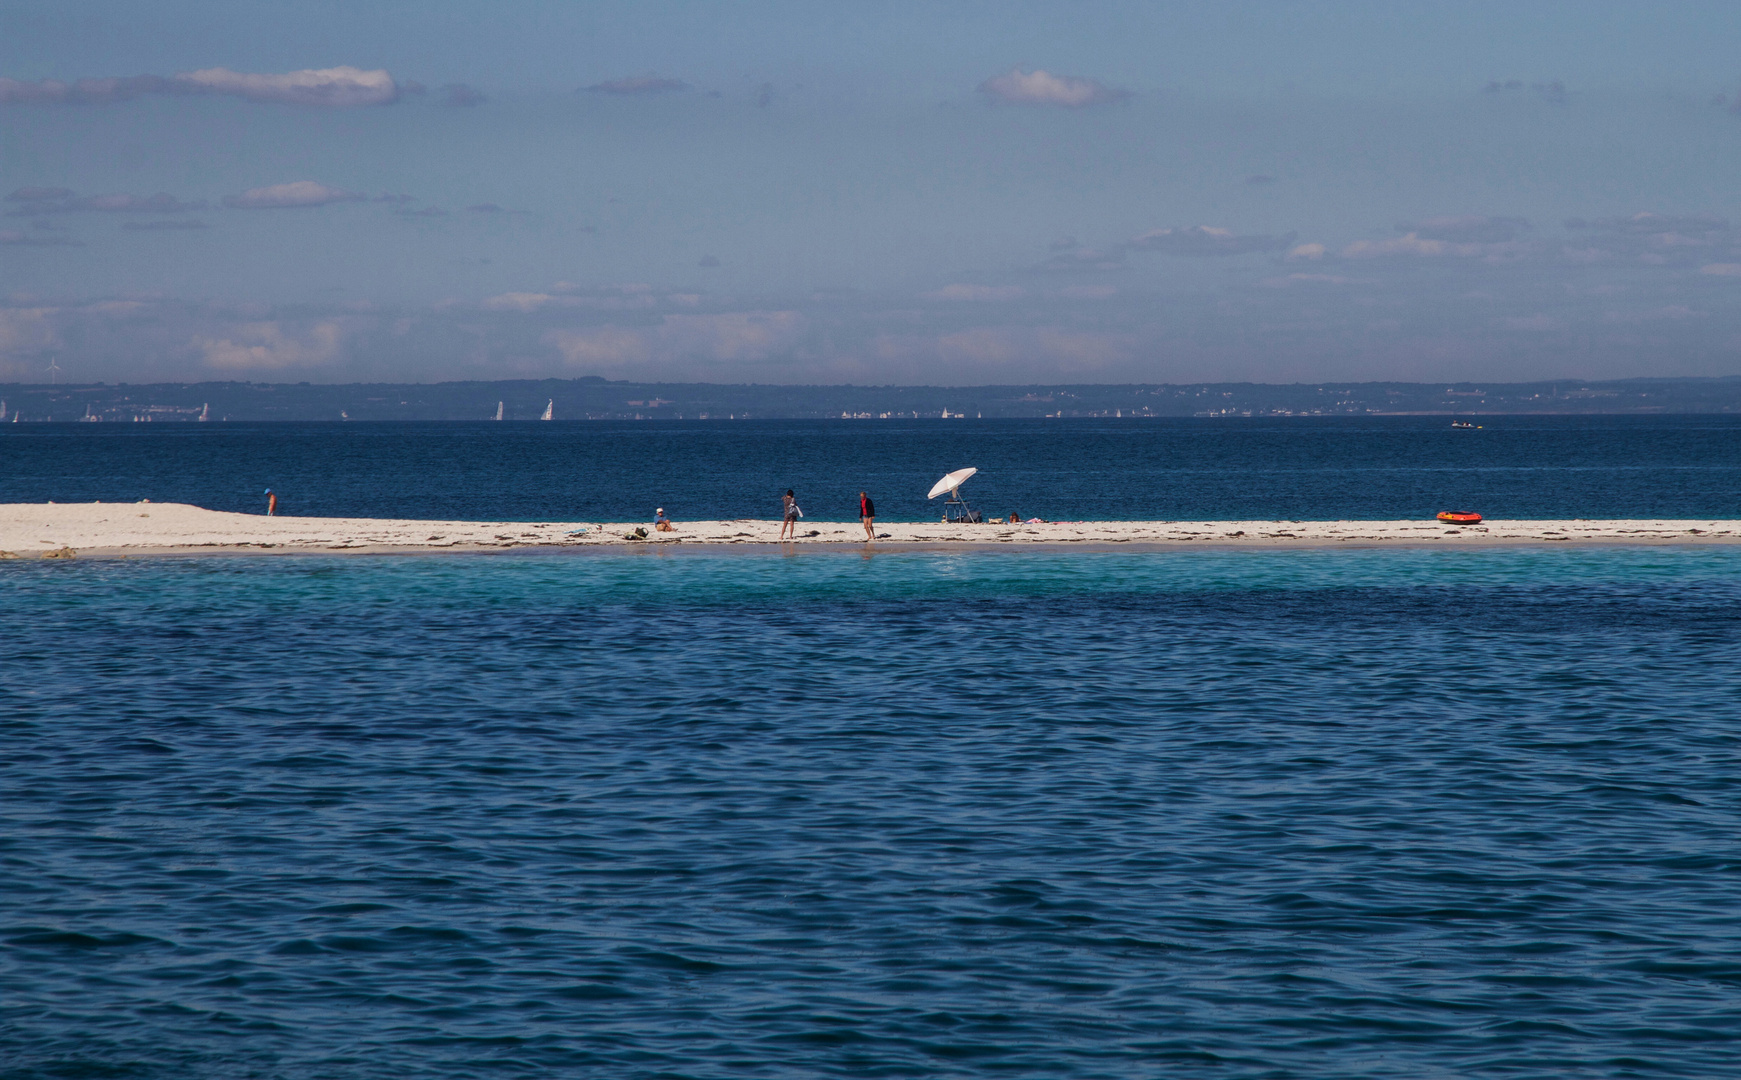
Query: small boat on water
(1459, 517)
(1462, 424)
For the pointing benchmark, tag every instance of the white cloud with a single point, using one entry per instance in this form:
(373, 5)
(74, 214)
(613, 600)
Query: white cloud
(297, 193)
(337, 87)
(116, 309)
(1721, 269)
(1307, 251)
(981, 293)
(1018, 87)
(37, 201)
(733, 336)
(1468, 228)
(82, 91)
(565, 295)
(998, 352)
(1671, 312)
(1648, 223)
(1206, 240)
(603, 346)
(25, 332)
(20, 238)
(264, 346)
(1414, 244)
(1653, 239)
(519, 301)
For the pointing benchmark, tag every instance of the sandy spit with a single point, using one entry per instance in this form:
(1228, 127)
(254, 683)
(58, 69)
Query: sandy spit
(43, 530)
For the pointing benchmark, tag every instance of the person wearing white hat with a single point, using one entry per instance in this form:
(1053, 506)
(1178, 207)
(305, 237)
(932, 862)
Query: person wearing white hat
(661, 523)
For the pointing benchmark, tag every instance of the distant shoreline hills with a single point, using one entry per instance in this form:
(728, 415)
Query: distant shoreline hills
(595, 398)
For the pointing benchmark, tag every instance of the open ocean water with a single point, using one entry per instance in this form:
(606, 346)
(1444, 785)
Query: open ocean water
(1296, 468)
(690, 813)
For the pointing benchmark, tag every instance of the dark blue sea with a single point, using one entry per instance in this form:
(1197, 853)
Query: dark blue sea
(1294, 468)
(687, 813)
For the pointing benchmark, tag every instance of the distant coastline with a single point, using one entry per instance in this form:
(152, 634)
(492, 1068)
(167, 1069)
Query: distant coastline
(594, 398)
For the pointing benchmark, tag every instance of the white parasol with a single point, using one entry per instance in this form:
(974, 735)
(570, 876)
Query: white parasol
(951, 483)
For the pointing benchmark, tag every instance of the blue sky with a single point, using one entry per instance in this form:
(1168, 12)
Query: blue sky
(880, 193)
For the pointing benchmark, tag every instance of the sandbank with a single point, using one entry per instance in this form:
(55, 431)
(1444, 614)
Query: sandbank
(85, 530)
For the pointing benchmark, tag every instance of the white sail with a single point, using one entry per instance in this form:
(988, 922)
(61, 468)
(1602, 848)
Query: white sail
(498, 410)
(549, 410)
(205, 413)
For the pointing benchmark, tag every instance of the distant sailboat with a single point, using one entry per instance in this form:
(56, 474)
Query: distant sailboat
(498, 410)
(549, 410)
(205, 413)
(2, 409)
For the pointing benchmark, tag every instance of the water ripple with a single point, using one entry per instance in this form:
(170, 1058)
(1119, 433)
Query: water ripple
(1227, 815)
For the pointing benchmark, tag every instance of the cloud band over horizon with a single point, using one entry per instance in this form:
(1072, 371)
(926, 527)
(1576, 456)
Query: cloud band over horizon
(336, 87)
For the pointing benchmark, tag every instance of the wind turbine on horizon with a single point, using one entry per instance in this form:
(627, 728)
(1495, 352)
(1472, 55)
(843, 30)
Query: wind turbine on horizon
(53, 370)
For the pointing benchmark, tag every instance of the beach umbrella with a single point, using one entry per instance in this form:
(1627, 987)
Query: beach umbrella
(951, 483)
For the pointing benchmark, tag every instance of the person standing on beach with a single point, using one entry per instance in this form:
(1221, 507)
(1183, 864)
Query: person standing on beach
(867, 513)
(789, 514)
(271, 503)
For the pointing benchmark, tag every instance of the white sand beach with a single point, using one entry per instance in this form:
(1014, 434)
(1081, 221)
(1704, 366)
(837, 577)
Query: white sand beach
(74, 530)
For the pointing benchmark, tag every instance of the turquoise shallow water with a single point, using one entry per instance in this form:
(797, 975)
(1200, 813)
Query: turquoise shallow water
(1217, 814)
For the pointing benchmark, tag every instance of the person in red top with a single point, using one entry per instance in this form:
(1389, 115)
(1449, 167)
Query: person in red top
(867, 513)
(271, 503)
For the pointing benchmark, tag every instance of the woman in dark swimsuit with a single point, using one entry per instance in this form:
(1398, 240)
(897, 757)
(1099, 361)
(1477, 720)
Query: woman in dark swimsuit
(789, 511)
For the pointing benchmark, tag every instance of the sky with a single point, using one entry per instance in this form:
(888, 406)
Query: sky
(877, 193)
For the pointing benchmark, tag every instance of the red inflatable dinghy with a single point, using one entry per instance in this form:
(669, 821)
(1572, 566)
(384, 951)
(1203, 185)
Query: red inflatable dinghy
(1459, 517)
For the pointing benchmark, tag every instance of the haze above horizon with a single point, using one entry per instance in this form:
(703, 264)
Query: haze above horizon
(789, 193)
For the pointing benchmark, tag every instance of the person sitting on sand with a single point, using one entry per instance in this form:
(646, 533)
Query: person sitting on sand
(789, 514)
(867, 513)
(661, 523)
(1015, 518)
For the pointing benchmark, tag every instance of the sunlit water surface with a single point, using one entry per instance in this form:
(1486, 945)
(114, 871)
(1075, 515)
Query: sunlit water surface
(1210, 814)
